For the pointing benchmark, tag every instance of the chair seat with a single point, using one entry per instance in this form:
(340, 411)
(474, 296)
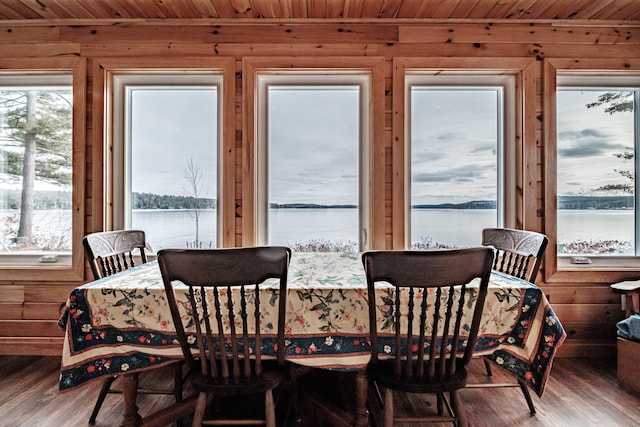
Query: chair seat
(272, 376)
(383, 374)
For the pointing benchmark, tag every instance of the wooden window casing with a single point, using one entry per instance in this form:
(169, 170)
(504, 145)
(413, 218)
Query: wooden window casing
(53, 272)
(524, 147)
(103, 183)
(374, 203)
(609, 270)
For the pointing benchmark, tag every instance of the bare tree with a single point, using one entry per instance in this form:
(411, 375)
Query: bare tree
(196, 190)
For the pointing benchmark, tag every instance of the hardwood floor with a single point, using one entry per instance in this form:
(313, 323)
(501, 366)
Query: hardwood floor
(580, 392)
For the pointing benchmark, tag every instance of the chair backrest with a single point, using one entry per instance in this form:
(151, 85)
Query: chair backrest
(109, 252)
(430, 296)
(519, 252)
(222, 302)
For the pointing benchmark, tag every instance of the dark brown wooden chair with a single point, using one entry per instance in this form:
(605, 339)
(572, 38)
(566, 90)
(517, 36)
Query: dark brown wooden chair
(419, 322)
(518, 254)
(226, 292)
(110, 252)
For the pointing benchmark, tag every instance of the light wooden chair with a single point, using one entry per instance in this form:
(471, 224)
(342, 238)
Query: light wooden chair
(213, 277)
(110, 252)
(423, 364)
(518, 254)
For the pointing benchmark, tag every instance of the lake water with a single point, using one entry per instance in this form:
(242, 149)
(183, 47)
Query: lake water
(462, 228)
(459, 227)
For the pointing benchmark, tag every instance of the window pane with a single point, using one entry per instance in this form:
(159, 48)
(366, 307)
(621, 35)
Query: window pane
(454, 164)
(595, 170)
(173, 165)
(313, 140)
(35, 173)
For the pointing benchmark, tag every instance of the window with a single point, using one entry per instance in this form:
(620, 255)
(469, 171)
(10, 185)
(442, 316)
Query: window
(41, 164)
(457, 165)
(166, 134)
(312, 169)
(596, 143)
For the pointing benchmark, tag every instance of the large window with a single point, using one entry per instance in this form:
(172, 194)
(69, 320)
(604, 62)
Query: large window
(458, 127)
(166, 157)
(597, 140)
(311, 152)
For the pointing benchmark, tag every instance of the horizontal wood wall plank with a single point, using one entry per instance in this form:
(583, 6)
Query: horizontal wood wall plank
(28, 50)
(30, 328)
(597, 313)
(510, 33)
(32, 346)
(304, 33)
(19, 34)
(12, 293)
(48, 293)
(11, 310)
(590, 330)
(130, 48)
(42, 311)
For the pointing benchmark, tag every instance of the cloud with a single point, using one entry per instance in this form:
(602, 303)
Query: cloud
(587, 142)
(465, 173)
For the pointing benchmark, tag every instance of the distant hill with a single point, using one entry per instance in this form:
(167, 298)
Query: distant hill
(309, 206)
(474, 204)
(595, 202)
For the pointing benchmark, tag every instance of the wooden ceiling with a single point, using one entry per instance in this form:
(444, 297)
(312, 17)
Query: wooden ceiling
(76, 11)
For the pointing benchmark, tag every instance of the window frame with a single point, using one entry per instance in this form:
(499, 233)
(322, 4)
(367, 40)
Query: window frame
(505, 206)
(519, 177)
(560, 268)
(108, 198)
(122, 82)
(258, 72)
(76, 68)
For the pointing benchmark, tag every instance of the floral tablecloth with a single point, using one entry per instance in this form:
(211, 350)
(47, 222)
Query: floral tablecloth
(122, 323)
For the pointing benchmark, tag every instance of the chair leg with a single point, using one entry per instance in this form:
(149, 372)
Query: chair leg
(269, 409)
(487, 367)
(201, 407)
(177, 382)
(388, 408)
(527, 395)
(106, 386)
(461, 420)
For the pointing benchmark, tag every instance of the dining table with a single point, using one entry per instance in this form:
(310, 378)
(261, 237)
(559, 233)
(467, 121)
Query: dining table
(122, 325)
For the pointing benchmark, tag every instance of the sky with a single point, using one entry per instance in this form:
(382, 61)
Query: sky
(588, 138)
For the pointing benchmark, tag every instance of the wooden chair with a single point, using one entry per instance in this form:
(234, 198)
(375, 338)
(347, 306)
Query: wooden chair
(518, 254)
(226, 284)
(419, 321)
(108, 253)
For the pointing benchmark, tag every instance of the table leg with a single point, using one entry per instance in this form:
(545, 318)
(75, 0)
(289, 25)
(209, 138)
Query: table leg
(362, 390)
(129, 393)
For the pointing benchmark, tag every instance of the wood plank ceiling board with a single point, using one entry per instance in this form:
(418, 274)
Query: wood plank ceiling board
(38, 7)
(18, 11)
(486, 10)
(631, 9)
(445, 8)
(464, 8)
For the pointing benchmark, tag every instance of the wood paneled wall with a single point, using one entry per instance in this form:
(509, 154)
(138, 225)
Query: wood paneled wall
(29, 310)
